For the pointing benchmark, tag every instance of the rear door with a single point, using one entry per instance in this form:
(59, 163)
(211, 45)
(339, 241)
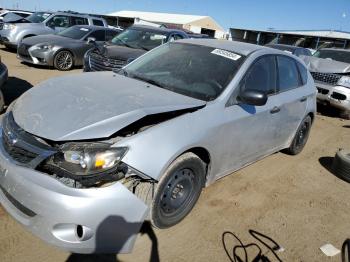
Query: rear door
(292, 93)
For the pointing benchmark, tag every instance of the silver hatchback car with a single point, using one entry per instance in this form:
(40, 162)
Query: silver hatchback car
(86, 158)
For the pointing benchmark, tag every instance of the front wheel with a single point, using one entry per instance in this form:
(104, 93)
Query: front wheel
(301, 137)
(63, 60)
(178, 191)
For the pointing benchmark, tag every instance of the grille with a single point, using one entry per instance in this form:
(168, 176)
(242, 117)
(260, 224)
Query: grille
(18, 154)
(338, 96)
(21, 146)
(99, 62)
(322, 91)
(328, 78)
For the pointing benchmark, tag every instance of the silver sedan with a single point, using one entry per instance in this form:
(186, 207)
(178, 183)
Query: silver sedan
(65, 49)
(86, 158)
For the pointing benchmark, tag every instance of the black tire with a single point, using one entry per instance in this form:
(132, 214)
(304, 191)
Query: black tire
(63, 60)
(341, 164)
(300, 137)
(345, 114)
(2, 102)
(178, 191)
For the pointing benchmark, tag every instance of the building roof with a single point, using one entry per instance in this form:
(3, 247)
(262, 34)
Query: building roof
(163, 17)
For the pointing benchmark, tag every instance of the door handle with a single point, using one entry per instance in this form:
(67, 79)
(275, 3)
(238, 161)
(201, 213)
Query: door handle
(275, 110)
(303, 99)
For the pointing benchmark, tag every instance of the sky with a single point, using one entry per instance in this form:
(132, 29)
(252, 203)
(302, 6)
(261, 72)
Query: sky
(248, 14)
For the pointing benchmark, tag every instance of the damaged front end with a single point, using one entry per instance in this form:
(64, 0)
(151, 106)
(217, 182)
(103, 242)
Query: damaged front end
(78, 196)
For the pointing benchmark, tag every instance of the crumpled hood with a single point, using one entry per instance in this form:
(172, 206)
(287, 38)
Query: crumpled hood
(122, 52)
(322, 65)
(92, 105)
(48, 39)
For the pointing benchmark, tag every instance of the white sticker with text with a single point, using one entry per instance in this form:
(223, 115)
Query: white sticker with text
(226, 54)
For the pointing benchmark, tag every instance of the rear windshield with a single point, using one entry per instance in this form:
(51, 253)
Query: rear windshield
(197, 71)
(337, 55)
(75, 32)
(38, 17)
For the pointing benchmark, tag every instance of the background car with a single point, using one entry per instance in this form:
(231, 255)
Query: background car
(43, 23)
(65, 49)
(330, 68)
(3, 79)
(295, 50)
(115, 148)
(127, 46)
(9, 16)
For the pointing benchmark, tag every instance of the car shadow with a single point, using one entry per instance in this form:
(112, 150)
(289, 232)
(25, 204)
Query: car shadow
(14, 88)
(346, 126)
(327, 163)
(8, 49)
(105, 232)
(329, 111)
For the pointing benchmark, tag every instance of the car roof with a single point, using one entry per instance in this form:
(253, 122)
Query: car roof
(76, 14)
(233, 46)
(95, 27)
(335, 49)
(163, 30)
(285, 46)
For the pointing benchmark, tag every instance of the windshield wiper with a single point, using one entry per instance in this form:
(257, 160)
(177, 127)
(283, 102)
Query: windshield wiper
(147, 80)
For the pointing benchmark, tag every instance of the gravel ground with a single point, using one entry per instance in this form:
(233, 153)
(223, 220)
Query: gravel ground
(294, 200)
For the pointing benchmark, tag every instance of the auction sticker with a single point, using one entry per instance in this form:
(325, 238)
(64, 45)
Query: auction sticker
(226, 54)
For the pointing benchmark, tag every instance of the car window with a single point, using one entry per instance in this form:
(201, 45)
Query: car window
(110, 34)
(261, 76)
(303, 73)
(97, 22)
(288, 75)
(21, 14)
(99, 35)
(59, 21)
(79, 20)
(175, 37)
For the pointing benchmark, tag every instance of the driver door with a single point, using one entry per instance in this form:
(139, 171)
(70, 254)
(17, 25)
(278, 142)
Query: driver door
(249, 130)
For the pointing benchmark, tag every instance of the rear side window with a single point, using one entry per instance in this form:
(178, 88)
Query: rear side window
(99, 35)
(97, 22)
(79, 21)
(261, 76)
(303, 73)
(288, 74)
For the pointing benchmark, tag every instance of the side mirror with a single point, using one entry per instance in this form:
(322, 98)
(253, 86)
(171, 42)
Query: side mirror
(91, 40)
(253, 97)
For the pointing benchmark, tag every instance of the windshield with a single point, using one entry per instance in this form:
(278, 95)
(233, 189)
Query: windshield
(136, 38)
(337, 55)
(75, 32)
(38, 17)
(197, 71)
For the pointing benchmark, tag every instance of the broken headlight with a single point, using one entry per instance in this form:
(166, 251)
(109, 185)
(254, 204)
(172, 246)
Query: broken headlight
(344, 81)
(88, 158)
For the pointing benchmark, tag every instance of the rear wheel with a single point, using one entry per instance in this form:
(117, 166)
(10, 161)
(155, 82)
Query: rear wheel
(301, 137)
(63, 60)
(178, 191)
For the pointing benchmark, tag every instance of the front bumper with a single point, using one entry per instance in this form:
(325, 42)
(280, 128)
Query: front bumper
(337, 96)
(30, 54)
(8, 37)
(96, 220)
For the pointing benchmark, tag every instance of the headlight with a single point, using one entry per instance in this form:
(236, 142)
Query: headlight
(344, 81)
(89, 158)
(9, 26)
(44, 47)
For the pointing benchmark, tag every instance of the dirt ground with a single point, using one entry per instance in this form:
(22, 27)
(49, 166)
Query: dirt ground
(294, 200)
